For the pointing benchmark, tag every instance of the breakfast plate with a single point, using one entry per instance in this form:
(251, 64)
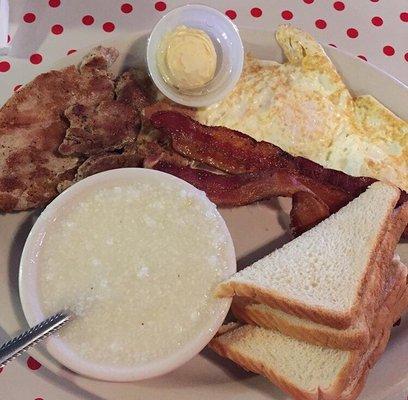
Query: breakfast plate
(256, 231)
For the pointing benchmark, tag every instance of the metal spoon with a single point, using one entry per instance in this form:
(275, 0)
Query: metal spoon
(18, 345)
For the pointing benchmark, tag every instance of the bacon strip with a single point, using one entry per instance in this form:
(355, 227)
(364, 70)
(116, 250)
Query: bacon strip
(307, 210)
(351, 184)
(233, 152)
(252, 170)
(243, 189)
(236, 153)
(225, 149)
(229, 190)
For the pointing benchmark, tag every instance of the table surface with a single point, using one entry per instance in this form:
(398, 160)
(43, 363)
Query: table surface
(43, 31)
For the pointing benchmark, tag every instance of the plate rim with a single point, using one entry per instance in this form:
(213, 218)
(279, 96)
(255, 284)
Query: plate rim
(50, 65)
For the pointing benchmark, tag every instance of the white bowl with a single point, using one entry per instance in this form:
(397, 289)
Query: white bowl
(228, 45)
(29, 294)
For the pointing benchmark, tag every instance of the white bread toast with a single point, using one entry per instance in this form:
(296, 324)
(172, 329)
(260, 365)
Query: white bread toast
(354, 337)
(333, 273)
(357, 336)
(307, 371)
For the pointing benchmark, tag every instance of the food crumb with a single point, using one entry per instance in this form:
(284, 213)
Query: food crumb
(143, 272)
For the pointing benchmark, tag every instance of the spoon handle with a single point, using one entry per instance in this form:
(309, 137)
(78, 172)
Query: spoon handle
(16, 346)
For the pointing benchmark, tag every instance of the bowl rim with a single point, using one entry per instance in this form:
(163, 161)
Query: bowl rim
(29, 296)
(206, 99)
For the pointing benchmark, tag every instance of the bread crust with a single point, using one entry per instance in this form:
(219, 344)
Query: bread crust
(397, 302)
(372, 293)
(357, 389)
(275, 300)
(381, 329)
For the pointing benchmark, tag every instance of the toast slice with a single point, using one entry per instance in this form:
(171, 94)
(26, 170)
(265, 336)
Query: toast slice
(308, 371)
(357, 336)
(322, 274)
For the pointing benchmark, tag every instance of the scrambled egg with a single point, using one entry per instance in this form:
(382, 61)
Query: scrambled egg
(304, 107)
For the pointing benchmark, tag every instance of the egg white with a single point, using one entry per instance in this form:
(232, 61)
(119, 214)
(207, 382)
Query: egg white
(304, 107)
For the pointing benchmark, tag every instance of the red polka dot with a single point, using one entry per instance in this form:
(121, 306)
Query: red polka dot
(388, 50)
(4, 66)
(339, 5)
(332, 45)
(404, 16)
(36, 58)
(160, 6)
(256, 12)
(406, 57)
(54, 3)
(1, 369)
(231, 14)
(308, 1)
(377, 21)
(8, 38)
(108, 26)
(70, 51)
(320, 23)
(374, 1)
(88, 20)
(29, 18)
(57, 29)
(33, 364)
(17, 87)
(352, 33)
(126, 8)
(362, 57)
(38, 398)
(287, 15)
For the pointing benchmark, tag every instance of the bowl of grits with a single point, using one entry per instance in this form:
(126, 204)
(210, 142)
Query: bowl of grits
(135, 254)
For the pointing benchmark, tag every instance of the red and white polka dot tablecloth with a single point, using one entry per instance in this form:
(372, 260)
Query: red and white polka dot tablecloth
(42, 31)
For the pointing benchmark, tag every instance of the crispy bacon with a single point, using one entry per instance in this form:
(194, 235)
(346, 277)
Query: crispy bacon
(351, 184)
(238, 190)
(234, 152)
(230, 190)
(249, 171)
(307, 210)
(225, 149)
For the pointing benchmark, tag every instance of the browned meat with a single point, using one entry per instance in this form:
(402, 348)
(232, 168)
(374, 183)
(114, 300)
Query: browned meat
(107, 126)
(32, 127)
(129, 91)
(152, 153)
(105, 162)
(107, 132)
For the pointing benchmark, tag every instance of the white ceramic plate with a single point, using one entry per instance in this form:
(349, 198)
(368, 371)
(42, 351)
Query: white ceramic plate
(256, 230)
